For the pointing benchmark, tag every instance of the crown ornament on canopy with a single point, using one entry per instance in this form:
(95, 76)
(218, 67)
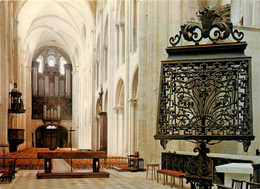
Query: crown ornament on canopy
(210, 27)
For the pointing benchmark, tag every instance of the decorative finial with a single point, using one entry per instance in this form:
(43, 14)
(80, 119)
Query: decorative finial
(209, 27)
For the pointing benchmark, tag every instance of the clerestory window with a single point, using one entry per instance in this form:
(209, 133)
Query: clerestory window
(51, 60)
(40, 60)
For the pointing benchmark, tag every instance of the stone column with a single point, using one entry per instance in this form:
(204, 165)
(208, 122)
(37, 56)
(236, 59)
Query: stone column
(115, 131)
(256, 14)
(247, 13)
(121, 130)
(4, 78)
(122, 43)
(117, 45)
(76, 103)
(105, 62)
(132, 137)
(96, 134)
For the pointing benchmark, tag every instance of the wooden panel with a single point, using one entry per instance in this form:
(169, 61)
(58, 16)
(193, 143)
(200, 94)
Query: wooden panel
(103, 131)
(72, 155)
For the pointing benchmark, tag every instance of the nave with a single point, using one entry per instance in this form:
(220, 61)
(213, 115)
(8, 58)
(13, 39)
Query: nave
(26, 179)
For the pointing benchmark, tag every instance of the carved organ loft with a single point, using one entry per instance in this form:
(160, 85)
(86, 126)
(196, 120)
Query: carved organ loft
(51, 87)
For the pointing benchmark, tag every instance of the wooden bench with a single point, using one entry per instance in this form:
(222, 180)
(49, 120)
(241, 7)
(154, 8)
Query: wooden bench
(173, 175)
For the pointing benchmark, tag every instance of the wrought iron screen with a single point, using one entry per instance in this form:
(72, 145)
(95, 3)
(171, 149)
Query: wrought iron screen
(205, 98)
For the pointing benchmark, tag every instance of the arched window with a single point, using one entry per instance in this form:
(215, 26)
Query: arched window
(51, 60)
(62, 63)
(40, 60)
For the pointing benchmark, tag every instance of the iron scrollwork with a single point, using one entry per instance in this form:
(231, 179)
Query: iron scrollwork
(205, 93)
(209, 98)
(210, 27)
(200, 169)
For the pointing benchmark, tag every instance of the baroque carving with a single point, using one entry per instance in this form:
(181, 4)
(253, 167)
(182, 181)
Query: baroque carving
(210, 27)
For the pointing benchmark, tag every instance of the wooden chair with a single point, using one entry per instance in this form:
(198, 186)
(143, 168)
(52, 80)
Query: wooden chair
(237, 183)
(131, 159)
(224, 187)
(252, 185)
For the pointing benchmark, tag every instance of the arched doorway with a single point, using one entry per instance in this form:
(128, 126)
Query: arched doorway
(51, 136)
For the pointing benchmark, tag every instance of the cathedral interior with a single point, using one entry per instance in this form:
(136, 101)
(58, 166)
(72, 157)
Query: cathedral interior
(87, 75)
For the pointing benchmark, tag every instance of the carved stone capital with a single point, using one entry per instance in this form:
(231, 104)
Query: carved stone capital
(120, 108)
(132, 102)
(116, 26)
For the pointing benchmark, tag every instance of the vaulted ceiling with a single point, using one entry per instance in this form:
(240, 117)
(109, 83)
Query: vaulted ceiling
(64, 24)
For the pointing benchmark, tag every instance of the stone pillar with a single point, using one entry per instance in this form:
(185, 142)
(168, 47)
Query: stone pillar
(106, 62)
(115, 131)
(132, 103)
(117, 45)
(96, 135)
(236, 12)
(121, 130)
(256, 14)
(76, 101)
(122, 43)
(4, 77)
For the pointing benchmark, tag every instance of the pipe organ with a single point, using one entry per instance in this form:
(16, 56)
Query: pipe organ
(51, 92)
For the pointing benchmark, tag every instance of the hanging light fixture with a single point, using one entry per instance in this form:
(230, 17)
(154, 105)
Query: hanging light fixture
(17, 105)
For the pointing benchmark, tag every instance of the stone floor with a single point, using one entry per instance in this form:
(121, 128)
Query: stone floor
(26, 179)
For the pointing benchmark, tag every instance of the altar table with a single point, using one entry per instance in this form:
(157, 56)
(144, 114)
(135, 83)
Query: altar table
(95, 155)
(242, 171)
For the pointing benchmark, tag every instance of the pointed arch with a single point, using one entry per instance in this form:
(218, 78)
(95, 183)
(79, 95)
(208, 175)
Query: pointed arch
(120, 93)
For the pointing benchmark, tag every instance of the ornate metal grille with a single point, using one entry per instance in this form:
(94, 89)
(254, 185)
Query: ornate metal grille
(205, 92)
(208, 98)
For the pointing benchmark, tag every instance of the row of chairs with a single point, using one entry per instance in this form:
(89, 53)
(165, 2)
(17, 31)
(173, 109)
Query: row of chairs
(238, 184)
(110, 162)
(25, 153)
(25, 159)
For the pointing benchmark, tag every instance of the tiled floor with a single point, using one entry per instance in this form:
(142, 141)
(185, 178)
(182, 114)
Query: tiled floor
(26, 179)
